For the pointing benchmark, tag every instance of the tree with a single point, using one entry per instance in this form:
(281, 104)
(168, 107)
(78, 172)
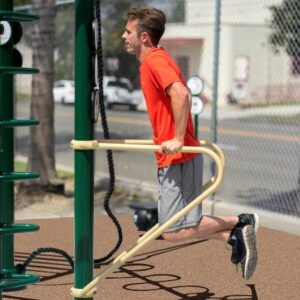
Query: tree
(174, 10)
(41, 150)
(178, 12)
(64, 42)
(22, 2)
(285, 26)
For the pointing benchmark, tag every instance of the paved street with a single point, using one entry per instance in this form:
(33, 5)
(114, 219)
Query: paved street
(261, 157)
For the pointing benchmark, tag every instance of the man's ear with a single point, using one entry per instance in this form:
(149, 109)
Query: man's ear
(145, 37)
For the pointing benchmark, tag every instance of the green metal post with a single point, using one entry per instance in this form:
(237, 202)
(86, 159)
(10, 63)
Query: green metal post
(10, 279)
(6, 149)
(84, 130)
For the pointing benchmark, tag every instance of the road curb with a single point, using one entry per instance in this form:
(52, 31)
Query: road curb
(271, 220)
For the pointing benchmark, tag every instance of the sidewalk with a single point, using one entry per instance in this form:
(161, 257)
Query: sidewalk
(230, 111)
(234, 111)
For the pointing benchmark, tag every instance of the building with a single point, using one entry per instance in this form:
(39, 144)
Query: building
(249, 69)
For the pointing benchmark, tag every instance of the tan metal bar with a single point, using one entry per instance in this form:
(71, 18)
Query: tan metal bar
(210, 187)
(143, 237)
(142, 145)
(95, 145)
(103, 144)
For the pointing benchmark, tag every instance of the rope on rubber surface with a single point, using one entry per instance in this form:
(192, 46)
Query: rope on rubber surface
(21, 268)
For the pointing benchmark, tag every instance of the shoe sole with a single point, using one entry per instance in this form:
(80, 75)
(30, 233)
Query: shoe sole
(256, 223)
(250, 261)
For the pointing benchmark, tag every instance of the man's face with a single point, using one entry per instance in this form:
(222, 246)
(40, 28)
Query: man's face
(130, 37)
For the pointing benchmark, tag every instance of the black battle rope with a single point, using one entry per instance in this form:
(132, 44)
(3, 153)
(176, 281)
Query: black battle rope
(106, 134)
(21, 268)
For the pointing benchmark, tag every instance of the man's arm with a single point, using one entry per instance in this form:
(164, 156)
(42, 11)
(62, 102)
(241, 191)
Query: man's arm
(181, 107)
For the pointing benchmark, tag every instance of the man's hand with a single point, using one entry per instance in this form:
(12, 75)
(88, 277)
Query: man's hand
(171, 146)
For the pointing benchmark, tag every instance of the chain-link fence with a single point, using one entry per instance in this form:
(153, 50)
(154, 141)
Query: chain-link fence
(259, 68)
(258, 89)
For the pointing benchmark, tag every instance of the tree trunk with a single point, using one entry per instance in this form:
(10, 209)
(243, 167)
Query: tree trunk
(298, 193)
(42, 137)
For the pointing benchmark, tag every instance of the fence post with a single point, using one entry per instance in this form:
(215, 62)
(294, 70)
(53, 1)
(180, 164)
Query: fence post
(214, 118)
(84, 130)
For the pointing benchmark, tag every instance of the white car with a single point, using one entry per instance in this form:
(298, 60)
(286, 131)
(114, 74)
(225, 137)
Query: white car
(64, 91)
(119, 91)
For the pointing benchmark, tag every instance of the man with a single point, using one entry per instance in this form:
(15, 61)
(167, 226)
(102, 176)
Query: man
(180, 174)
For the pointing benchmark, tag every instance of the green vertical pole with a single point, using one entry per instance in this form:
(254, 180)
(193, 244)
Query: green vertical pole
(6, 149)
(84, 130)
(9, 279)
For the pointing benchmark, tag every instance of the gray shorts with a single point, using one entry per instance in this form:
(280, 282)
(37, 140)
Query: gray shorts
(179, 185)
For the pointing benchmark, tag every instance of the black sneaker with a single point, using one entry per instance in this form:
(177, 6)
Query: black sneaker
(237, 245)
(248, 219)
(249, 261)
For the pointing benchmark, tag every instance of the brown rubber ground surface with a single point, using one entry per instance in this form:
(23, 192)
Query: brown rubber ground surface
(196, 270)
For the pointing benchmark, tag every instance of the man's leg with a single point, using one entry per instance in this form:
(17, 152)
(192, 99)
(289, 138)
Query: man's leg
(214, 227)
(179, 185)
(239, 232)
(209, 227)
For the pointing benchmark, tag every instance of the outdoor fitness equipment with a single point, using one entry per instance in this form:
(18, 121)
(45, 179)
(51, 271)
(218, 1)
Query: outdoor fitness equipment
(13, 277)
(11, 64)
(84, 145)
(210, 187)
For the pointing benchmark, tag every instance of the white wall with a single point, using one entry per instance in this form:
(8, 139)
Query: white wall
(233, 11)
(244, 32)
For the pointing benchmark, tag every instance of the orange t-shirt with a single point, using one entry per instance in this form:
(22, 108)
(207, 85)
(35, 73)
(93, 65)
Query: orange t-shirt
(158, 71)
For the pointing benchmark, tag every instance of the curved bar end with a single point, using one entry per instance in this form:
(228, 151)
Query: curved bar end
(78, 293)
